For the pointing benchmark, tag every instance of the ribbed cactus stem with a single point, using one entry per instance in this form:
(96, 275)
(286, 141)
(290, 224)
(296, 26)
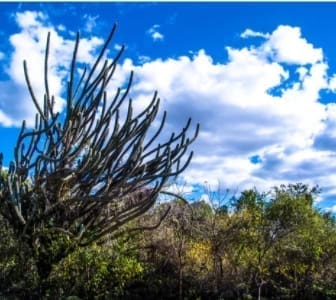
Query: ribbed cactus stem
(98, 155)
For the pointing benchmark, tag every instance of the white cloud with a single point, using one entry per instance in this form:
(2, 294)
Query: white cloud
(157, 36)
(90, 22)
(34, 27)
(154, 33)
(117, 47)
(331, 209)
(143, 59)
(5, 120)
(241, 118)
(61, 27)
(332, 83)
(293, 134)
(251, 33)
(286, 45)
(179, 188)
(205, 198)
(30, 19)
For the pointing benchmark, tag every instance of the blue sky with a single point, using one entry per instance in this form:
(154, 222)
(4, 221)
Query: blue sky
(259, 77)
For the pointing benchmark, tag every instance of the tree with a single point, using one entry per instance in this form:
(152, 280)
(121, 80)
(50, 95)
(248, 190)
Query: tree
(303, 257)
(164, 250)
(79, 175)
(267, 245)
(273, 222)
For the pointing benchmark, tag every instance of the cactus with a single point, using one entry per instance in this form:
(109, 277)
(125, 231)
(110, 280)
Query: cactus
(86, 172)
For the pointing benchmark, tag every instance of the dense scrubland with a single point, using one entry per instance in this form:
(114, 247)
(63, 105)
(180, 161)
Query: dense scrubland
(274, 245)
(79, 217)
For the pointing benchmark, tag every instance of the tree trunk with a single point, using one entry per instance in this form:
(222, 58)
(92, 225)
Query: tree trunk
(262, 282)
(259, 291)
(181, 283)
(180, 258)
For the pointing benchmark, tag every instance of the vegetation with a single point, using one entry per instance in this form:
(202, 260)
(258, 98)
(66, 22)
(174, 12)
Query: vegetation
(78, 218)
(274, 245)
(77, 177)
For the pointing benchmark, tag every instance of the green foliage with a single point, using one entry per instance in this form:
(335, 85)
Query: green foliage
(96, 272)
(273, 245)
(81, 175)
(270, 245)
(250, 200)
(18, 274)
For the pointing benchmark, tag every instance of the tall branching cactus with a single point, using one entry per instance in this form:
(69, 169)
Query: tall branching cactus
(87, 171)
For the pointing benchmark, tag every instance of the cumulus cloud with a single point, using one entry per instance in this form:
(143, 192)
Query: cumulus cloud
(290, 131)
(287, 45)
(154, 33)
(15, 103)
